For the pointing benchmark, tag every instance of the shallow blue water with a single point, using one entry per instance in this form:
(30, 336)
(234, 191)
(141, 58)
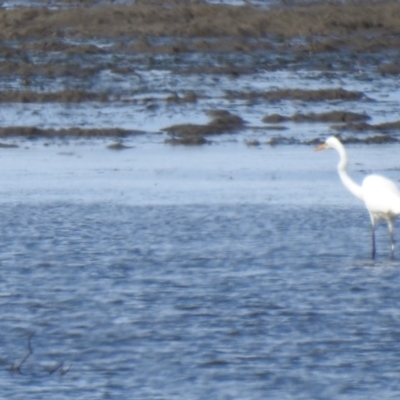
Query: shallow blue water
(195, 302)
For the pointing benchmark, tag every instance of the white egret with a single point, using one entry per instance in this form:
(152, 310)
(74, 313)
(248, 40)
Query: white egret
(380, 195)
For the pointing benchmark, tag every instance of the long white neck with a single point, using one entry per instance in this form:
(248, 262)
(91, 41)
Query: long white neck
(352, 186)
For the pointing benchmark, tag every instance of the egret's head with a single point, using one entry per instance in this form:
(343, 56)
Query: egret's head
(330, 143)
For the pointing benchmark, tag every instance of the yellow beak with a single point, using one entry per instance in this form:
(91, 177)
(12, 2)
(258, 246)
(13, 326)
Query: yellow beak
(323, 146)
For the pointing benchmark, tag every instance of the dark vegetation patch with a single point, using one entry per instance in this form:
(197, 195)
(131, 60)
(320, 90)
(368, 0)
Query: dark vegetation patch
(187, 140)
(34, 132)
(65, 96)
(118, 146)
(253, 143)
(297, 94)
(275, 119)
(194, 134)
(79, 96)
(330, 116)
(356, 41)
(389, 69)
(50, 70)
(222, 122)
(230, 70)
(58, 45)
(275, 128)
(280, 140)
(190, 97)
(177, 45)
(377, 139)
(365, 127)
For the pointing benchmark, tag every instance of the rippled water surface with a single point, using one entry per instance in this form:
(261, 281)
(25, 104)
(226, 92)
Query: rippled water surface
(195, 301)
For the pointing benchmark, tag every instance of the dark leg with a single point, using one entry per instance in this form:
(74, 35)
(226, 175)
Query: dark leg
(390, 226)
(373, 240)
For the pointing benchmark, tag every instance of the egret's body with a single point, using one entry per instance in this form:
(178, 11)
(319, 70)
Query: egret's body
(380, 195)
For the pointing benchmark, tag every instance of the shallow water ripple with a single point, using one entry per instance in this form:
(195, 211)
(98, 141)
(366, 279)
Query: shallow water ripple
(189, 302)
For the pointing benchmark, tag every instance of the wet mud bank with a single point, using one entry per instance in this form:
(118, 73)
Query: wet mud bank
(244, 71)
(364, 21)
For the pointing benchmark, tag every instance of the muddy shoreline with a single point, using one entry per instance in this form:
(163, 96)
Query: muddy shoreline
(76, 47)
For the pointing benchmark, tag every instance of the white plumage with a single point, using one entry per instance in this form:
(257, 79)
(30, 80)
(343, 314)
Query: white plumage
(380, 195)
